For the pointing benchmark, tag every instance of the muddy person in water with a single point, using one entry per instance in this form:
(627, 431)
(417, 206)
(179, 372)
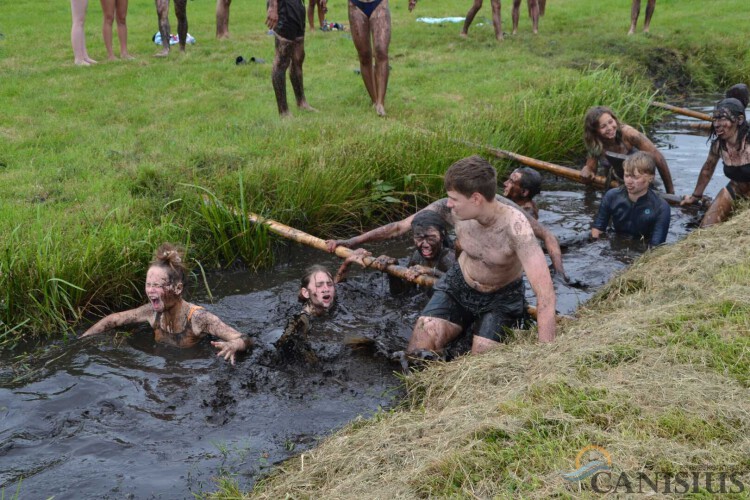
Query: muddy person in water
(485, 287)
(174, 320)
(521, 187)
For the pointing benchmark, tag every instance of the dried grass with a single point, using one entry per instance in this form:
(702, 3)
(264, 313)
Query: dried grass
(637, 373)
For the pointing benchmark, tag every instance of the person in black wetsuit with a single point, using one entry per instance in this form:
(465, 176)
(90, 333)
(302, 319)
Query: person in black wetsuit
(174, 320)
(287, 19)
(635, 209)
(730, 141)
(603, 133)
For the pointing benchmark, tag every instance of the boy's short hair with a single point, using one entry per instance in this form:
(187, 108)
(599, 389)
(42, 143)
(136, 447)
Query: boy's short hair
(472, 175)
(640, 162)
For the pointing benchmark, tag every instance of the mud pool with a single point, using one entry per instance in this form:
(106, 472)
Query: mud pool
(120, 417)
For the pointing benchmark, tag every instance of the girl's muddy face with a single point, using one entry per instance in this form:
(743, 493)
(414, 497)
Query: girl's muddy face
(607, 127)
(428, 242)
(320, 291)
(725, 127)
(160, 292)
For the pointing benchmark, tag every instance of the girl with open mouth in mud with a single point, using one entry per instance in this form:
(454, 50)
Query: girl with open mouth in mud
(174, 320)
(730, 141)
(603, 133)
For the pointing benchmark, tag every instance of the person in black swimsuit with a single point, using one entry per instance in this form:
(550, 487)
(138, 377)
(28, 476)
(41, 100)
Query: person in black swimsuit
(730, 141)
(287, 19)
(174, 320)
(603, 133)
(370, 23)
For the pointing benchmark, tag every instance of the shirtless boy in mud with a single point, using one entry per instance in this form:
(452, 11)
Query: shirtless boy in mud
(180, 10)
(635, 10)
(175, 321)
(287, 19)
(498, 244)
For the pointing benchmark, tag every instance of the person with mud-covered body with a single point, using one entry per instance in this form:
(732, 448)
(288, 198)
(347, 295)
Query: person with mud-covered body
(175, 321)
(521, 187)
(485, 285)
(287, 19)
(730, 141)
(162, 12)
(536, 8)
(603, 133)
(222, 18)
(635, 209)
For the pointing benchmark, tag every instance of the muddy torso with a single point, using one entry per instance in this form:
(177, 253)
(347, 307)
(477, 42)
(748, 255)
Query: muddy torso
(184, 334)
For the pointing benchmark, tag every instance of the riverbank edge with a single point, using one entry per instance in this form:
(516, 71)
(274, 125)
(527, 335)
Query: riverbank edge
(654, 371)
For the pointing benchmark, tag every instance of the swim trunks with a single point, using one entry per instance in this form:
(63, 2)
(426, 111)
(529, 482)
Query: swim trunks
(292, 20)
(494, 313)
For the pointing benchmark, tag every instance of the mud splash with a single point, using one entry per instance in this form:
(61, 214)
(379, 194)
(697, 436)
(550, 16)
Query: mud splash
(122, 417)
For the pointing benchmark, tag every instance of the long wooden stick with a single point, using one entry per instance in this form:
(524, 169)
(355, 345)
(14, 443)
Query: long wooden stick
(681, 111)
(343, 252)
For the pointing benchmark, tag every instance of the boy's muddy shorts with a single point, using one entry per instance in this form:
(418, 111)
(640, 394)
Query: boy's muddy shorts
(493, 313)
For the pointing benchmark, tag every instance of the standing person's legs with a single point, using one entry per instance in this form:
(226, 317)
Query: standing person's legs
(311, 13)
(121, 14)
(360, 28)
(322, 11)
(162, 11)
(380, 26)
(295, 74)
(77, 35)
(496, 22)
(222, 18)
(108, 17)
(650, 6)
(516, 14)
(180, 10)
(635, 10)
(534, 13)
(470, 16)
(281, 61)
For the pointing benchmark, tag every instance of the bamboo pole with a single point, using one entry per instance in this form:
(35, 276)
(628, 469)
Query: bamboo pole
(682, 111)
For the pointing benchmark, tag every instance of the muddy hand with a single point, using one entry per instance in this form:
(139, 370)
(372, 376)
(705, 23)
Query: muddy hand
(688, 200)
(382, 262)
(228, 349)
(272, 19)
(586, 176)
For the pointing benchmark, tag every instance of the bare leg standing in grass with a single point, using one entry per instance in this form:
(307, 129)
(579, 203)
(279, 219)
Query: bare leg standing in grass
(536, 9)
(322, 9)
(287, 19)
(371, 32)
(77, 35)
(118, 9)
(495, 18)
(635, 10)
(222, 18)
(180, 10)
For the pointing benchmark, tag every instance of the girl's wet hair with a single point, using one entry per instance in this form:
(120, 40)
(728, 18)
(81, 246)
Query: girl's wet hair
(640, 162)
(309, 273)
(591, 138)
(171, 258)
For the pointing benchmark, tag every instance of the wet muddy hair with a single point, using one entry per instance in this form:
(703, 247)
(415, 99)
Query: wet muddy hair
(640, 162)
(429, 218)
(472, 175)
(739, 92)
(171, 258)
(734, 110)
(591, 139)
(309, 273)
(531, 180)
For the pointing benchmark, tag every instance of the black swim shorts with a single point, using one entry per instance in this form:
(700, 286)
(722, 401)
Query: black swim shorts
(494, 313)
(291, 25)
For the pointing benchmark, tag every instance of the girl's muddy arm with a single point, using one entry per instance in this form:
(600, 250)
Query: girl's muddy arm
(231, 341)
(132, 316)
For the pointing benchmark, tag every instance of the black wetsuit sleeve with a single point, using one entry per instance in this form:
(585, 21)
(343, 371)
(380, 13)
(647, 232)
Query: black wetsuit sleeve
(661, 226)
(605, 212)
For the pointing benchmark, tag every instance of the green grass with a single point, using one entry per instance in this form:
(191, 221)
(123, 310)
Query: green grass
(99, 165)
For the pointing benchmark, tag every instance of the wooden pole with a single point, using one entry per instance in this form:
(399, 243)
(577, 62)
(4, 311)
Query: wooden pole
(682, 111)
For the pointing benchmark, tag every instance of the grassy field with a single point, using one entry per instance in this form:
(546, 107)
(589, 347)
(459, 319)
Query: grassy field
(98, 165)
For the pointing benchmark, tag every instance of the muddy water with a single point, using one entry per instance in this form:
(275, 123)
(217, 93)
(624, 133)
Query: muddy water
(122, 417)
